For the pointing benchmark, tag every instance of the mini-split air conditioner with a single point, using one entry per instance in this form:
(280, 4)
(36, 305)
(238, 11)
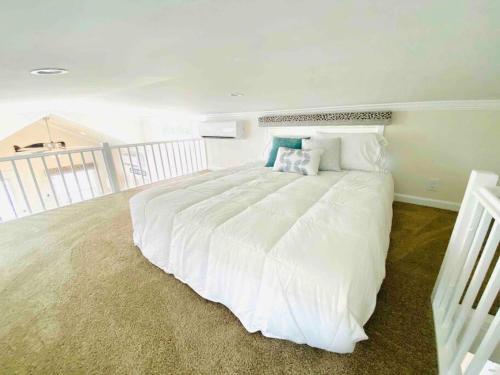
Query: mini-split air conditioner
(221, 129)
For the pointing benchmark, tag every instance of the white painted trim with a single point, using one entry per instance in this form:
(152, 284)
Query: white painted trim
(429, 202)
(442, 105)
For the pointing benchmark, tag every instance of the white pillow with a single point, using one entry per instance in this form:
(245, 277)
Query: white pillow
(330, 160)
(297, 161)
(361, 151)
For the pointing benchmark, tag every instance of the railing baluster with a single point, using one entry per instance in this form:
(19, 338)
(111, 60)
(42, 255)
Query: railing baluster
(185, 152)
(172, 148)
(140, 164)
(190, 156)
(131, 165)
(465, 275)
(123, 167)
(154, 160)
(21, 186)
(9, 198)
(168, 161)
(196, 156)
(204, 154)
(97, 172)
(87, 174)
(460, 258)
(75, 176)
(189, 169)
(177, 156)
(63, 179)
(183, 169)
(49, 176)
(42, 202)
(162, 161)
(486, 348)
(482, 267)
(484, 305)
(147, 163)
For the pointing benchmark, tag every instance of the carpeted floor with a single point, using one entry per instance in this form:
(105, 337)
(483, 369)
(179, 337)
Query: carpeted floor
(77, 297)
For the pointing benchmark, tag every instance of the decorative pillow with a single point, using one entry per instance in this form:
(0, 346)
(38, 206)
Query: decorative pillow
(330, 160)
(269, 143)
(363, 151)
(298, 161)
(295, 143)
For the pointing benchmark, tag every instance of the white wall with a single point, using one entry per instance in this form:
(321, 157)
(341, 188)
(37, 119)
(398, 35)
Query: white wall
(442, 144)
(169, 127)
(423, 145)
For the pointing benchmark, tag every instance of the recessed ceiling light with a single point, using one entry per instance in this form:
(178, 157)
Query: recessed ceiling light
(237, 94)
(48, 71)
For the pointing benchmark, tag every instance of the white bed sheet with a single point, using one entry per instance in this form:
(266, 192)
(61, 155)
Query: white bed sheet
(296, 257)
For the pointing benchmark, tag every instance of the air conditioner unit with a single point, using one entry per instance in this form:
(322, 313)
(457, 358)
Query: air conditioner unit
(224, 129)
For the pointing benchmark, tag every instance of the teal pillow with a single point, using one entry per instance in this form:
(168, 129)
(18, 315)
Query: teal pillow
(282, 142)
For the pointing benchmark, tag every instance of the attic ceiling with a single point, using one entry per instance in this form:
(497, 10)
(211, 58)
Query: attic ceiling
(191, 55)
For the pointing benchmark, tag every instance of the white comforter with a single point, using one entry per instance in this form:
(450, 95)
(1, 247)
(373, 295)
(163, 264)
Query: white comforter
(296, 257)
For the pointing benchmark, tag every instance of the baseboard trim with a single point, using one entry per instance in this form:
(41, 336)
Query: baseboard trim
(429, 202)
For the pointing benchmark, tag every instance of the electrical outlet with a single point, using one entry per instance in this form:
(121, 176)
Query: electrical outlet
(433, 184)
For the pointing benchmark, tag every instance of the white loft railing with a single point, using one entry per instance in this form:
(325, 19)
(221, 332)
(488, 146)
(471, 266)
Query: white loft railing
(40, 181)
(467, 330)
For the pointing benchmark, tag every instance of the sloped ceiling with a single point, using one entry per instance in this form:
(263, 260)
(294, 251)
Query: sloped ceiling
(62, 129)
(190, 55)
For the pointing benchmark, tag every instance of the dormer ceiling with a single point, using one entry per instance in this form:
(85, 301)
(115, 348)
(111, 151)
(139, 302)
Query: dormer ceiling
(193, 55)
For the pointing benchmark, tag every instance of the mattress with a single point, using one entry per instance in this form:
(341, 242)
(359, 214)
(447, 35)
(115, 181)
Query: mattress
(295, 257)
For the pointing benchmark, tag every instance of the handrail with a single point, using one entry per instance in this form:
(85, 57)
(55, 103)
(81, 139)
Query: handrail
(38, 154)
(155, 143)
(489, 198)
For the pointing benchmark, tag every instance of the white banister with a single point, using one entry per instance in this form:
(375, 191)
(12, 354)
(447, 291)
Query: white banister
(153, 161)
(468, 274)
(477, 179)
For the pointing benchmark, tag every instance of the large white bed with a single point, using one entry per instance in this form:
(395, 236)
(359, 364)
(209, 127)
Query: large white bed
(296, 257)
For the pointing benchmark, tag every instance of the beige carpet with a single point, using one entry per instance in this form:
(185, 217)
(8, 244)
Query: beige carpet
(76, 297)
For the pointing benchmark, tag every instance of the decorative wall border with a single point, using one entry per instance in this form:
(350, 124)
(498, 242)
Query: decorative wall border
(327, 119)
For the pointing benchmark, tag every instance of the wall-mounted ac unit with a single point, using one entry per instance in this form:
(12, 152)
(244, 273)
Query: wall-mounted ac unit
(221, 129)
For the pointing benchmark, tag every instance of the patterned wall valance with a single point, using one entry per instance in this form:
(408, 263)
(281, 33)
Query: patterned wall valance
(327, 119)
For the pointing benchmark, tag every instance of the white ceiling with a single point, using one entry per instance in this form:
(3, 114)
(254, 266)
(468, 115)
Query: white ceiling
(190, 55)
